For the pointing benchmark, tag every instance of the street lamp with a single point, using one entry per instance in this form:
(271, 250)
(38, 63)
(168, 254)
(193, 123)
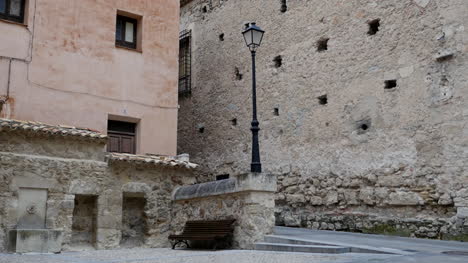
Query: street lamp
(253, 36)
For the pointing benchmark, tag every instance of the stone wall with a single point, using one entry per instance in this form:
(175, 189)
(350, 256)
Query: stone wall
(71, 168)
(368, 134)
(248, 198)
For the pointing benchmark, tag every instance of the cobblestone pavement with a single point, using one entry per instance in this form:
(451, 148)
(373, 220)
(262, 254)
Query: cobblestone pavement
(162, 255)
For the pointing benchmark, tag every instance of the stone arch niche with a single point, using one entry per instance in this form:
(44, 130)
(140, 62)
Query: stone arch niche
(134, 219)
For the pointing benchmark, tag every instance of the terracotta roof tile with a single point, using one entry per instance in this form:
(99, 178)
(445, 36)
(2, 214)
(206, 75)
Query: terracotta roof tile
(150, 159)
(47, 129)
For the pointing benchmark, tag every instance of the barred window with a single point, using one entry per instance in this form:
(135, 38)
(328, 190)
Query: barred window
(185, 60)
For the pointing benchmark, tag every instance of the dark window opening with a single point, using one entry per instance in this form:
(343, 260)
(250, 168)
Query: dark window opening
(238, 74)
(323, 100)
(364, 127)
(185, 63)
(126, 32)
(204, 9)
(276, 111)
(201, 129)
(374, 27)
(284, 6)
(121, 137)
(222, 177)
(12, 10)
(221, 37)
(322, 44)
(234, 122)
(278, 61)
(390, 84)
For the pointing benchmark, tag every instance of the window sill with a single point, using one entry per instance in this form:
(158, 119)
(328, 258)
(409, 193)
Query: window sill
(13, 22)
(129, 49)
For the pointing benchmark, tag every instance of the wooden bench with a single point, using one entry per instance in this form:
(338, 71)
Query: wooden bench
(219, 231)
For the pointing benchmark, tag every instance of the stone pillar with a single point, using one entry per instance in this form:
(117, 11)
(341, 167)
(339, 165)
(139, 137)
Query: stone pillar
(109, 220)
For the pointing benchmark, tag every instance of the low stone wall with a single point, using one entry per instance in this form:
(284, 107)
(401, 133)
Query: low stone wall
(66, 167)
(386, 201)
(248, 198)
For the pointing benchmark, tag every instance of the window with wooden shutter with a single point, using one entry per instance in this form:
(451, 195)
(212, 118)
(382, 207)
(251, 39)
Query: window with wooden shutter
(121, 137)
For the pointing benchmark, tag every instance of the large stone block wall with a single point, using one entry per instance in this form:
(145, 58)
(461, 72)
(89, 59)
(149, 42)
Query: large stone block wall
(27, 161)
(367, 158)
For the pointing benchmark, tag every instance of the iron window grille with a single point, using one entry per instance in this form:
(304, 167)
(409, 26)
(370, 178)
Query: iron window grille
(126, 32)
(185, 63)
(12, 10)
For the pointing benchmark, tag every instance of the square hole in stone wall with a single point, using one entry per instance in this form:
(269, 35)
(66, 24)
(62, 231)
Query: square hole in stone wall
(390, 84)
(278, 61)
(323, 100)
(284, 6)
(239, 75)
(221, 37)
(276, 111)
(322, 44)
(234, 122)
(374, 26)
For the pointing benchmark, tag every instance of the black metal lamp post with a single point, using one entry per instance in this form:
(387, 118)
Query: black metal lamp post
(253, 36)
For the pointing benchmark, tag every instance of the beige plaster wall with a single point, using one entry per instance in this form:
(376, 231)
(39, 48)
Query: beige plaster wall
(63, 68)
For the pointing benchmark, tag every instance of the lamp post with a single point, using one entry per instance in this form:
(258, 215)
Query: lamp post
(253, 36)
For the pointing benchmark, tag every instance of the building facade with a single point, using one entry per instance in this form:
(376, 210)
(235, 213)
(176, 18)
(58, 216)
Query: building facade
(77, 77)
(106, 65)
(362, 108)
(59, 191)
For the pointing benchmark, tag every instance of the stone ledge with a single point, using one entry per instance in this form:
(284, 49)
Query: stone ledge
(250, 182)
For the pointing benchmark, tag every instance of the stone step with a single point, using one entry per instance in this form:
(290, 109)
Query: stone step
(301, 248)
(288, 240)
(291, 240)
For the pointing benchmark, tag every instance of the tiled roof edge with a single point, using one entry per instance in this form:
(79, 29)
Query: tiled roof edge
(150, 159)
(51, 130)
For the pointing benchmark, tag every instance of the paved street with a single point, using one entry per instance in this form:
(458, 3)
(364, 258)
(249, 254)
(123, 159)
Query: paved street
(179, 256)
(406, 250)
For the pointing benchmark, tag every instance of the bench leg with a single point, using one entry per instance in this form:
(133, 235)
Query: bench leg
(180, 241)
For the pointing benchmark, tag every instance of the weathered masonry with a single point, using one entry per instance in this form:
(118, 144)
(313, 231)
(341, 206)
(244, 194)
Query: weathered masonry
(362, 107)
(60, 191)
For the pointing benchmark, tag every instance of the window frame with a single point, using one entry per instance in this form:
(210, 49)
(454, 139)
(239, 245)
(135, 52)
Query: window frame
(122, 42)
(14, 18)
(120, 134)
